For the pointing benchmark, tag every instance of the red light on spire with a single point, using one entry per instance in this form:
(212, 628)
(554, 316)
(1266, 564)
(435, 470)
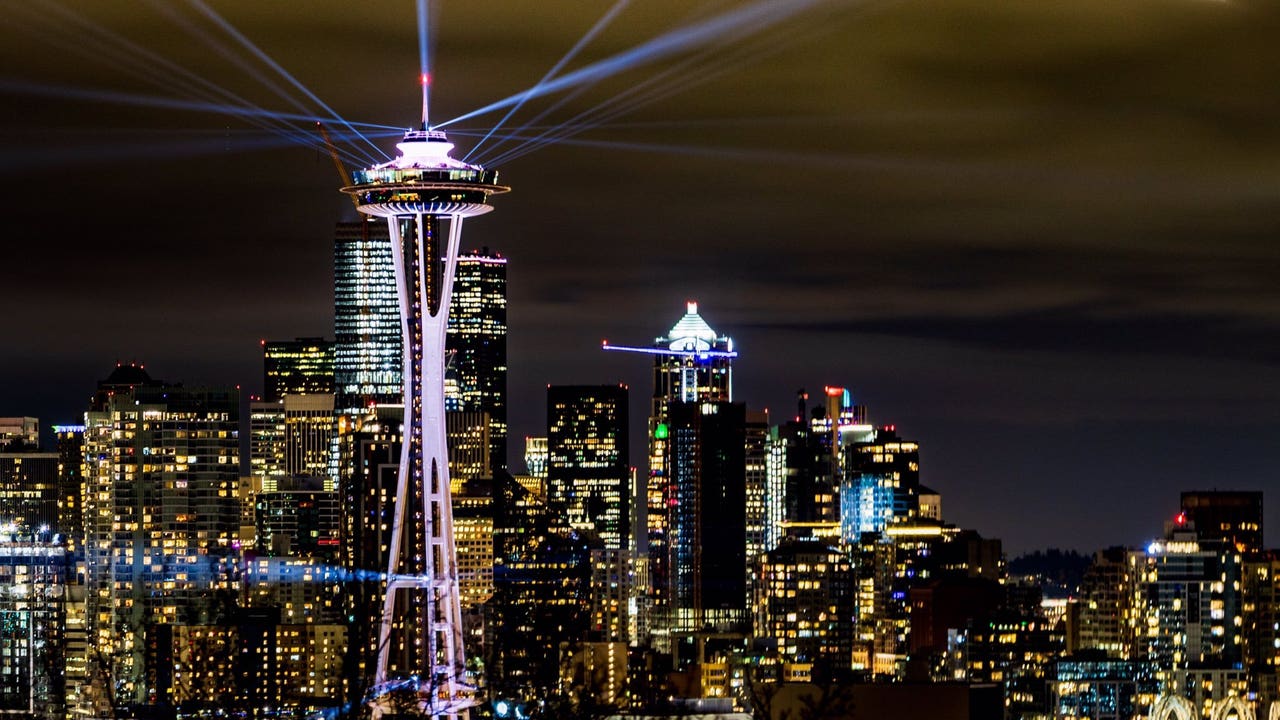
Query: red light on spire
(426, 78)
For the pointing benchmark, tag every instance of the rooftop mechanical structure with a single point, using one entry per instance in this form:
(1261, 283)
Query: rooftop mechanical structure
(425, 195)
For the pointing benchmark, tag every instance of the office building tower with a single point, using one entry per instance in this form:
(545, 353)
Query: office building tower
(1234, 517)
(708, 579)
(541, 600)
(29, 489)
(368, 364)
(756, 479)
(836, 421)
(469, 446)
(473, 504)
(1187, 605)
(368, 361)
(310, 427)
(22, 432)
(370, 460)
(804, 603)
(691, 363)
(299, 518)
(611, 592)
(267, 464)
(162, 516)
(297, 367)
(477, 344)
(588, 471)
(1106, 597)
(473, 534)
(1261, 615)
(69, 444)
(808, 467)
(33, 577)
(881, 483)
(293, 437)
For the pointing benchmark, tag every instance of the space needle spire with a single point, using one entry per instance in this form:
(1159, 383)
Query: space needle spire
(424, 194)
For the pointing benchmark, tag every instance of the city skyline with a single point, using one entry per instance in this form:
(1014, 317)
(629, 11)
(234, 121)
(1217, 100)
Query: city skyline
(1089, 304)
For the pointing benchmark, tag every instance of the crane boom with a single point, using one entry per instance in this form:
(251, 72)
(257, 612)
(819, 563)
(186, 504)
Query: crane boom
(337, 161)
(661, 351)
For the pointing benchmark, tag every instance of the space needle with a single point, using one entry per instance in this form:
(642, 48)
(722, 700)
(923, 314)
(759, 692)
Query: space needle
(425, 195)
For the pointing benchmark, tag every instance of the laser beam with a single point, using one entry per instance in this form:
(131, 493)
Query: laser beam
(747, 20)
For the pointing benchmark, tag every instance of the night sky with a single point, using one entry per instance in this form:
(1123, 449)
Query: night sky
(1039, 237)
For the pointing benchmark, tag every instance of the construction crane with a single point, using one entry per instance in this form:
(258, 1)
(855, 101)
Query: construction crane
(337, 161)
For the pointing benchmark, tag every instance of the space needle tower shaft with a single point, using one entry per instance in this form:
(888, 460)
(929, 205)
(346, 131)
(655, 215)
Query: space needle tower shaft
(425, 195)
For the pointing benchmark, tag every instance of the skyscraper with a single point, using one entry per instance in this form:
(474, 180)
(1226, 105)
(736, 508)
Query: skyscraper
(296, 367)
(69, 441)
(881, 483)
(805, 600)
(588, 469)
(1233, 516)
(368, 364)
(692, 363)
(477, 344)
(161, 515)
(33, 577)
(708, 540)
(368, 361)
(29, 489)
(370, 462)
(293, 436)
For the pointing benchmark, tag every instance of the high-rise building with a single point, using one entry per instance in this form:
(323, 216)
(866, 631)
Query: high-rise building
(1261, 614)
(69, 440)
(298, 518)
(756, 478)
(541, 600)
(804, 603)
(692, 363)
(304, 590)
(708, 538)
(588, 468)
(469, 446)
(294, 436)
(1232, 516)
(473, 534)
(33, 578)
(162, 516)
(370, 461)
(297, 367)
(881, 483)
(309, 429)
(368, 359)
(29, 489)
(368, 363)
(1106, 597)
(477, 344)
(1187, 604)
